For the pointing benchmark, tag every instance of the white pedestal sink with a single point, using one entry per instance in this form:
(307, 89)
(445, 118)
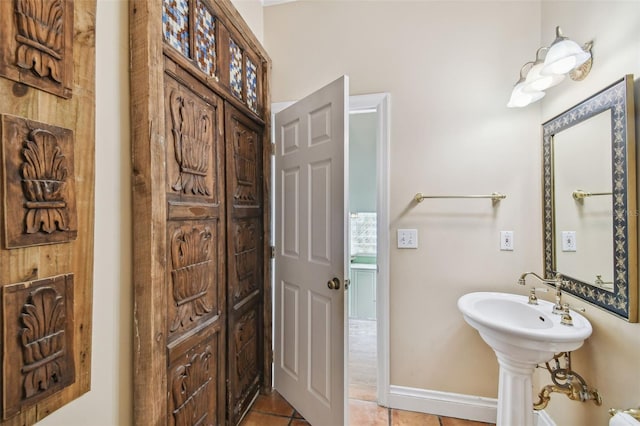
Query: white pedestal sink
(522, 336)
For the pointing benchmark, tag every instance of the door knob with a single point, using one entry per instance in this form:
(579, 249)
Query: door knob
(334, 284)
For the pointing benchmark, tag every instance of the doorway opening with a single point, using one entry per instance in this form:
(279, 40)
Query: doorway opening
(368, 310)
(362, 357)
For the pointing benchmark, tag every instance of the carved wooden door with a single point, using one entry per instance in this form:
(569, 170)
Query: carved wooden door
(198, 102)
(47, 116)
(245, 243)
(195, 274)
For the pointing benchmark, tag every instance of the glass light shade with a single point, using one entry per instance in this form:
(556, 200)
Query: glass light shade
(563, 56)
(536, 82)
(521, 98)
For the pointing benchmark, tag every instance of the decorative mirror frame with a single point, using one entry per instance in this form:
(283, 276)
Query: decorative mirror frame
(618, 98)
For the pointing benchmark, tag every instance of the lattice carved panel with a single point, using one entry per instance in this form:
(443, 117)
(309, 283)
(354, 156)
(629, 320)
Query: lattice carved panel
(196, 380)
(39, 183)
(194, 275)
(192, 145)
(37, 44)
(37, 341)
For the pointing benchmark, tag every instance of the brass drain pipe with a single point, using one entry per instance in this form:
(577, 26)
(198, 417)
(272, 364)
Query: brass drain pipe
(566, 381)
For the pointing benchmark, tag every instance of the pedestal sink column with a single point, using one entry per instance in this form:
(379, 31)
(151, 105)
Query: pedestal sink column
(522, 336)
(515, 392)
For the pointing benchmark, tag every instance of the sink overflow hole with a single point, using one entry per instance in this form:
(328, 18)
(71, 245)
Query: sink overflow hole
(541, 318)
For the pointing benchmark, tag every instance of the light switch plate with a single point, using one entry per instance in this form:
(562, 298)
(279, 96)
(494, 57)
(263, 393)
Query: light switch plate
(569, 241)
(407, 238)
(506, 240)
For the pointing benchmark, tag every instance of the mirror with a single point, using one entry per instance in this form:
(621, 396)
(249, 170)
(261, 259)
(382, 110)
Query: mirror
(584, 224)
(590, 216)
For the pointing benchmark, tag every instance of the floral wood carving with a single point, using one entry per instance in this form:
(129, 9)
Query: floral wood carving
(191, 258)
(43, 340)
(192, 132)
(37, 45)
(245, 156)
(39, 183)
(38, 341)
(44, 174)
(246, 258)
(40, 25)
(190, 389)
(245, 336)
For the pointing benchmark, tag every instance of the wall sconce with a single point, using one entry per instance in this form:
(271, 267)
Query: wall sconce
(522, 94)
(563, 57)
(537, 79)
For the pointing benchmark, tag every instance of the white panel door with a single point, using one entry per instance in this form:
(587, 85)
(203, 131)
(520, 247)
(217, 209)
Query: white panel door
(311, 224)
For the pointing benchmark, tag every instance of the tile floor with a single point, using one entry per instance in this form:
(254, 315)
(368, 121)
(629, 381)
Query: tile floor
(274, 410)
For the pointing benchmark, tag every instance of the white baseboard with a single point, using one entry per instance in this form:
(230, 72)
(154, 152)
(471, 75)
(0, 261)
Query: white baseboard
(543, 419)
(448, 404)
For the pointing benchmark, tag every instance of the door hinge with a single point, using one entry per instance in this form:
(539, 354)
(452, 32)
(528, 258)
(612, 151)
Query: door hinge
(273, 149)
(272, 252)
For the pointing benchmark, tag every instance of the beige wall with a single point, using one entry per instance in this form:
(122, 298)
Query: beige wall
(252, 13)
(609, 360)
(449, 67)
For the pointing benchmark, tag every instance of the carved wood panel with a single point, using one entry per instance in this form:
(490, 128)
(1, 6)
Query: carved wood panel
(245, 267)
(194, 121)
(195, 290)
(245, 359)
(37, 341)
(37, 44)
(244, 160)
(196, 378)
(39, 183)
(245, 240)
(47, 165)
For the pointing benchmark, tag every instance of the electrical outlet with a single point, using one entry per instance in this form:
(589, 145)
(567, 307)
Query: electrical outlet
(506, 240)
(569, 241)
(407, 238)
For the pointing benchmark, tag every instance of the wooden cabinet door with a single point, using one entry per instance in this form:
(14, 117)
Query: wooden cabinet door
(245, 242)
(195, 257)
(198, 92)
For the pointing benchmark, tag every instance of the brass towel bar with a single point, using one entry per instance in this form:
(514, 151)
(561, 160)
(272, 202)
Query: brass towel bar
(579, 194)
(495, 196)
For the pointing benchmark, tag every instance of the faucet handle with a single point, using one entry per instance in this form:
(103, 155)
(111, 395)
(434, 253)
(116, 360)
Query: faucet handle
(533, 299)
(566, 316)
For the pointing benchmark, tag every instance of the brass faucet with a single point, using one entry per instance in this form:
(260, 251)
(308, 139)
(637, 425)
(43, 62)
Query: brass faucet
(557, 281)
(558, 309)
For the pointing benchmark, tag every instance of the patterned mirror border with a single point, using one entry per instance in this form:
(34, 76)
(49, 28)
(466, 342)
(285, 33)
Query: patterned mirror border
(618, 98)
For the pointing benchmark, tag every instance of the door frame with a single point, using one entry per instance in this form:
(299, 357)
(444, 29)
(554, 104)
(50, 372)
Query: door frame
(380, 104)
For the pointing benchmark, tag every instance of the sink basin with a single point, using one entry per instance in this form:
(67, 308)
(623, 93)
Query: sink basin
(508, 317)
(522, 336)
